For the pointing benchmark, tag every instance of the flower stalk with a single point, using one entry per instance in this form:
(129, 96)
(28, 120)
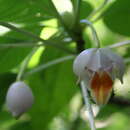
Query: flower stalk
(24, 65)
(88, 106)
(94, 33)
(119, 44)
(48, 64)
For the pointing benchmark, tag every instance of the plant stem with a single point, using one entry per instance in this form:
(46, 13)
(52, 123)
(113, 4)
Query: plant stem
(48, 64)
(98, 9)
(61, 21)
(119, 44)
(77, 13)
(25, 63)
(88, 106)
(95, 36)
(45, 42)
(24, 44)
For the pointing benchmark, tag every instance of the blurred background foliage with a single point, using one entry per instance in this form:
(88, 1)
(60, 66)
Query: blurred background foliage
(58, 102)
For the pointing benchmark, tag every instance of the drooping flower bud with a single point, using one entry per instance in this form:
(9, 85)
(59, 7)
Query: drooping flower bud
(19, 98)
(98, 68)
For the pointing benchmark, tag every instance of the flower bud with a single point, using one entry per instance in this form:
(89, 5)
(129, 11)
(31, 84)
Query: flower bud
(19, 98)
(98, 68)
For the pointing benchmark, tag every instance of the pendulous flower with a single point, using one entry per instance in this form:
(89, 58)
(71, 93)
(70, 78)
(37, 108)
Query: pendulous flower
(98, 68)
(19, 98)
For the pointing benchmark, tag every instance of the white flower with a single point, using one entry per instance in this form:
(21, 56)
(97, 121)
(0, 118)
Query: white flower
(19, 98)
(99, 67)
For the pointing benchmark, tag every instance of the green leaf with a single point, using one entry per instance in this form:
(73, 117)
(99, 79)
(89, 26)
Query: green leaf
(86, 9)
(53, 88)
(25, 11)
(13, 36)
(116, 17)
(11, 57)
(5, 81)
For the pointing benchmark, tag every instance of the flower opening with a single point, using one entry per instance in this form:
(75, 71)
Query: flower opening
(101, 87)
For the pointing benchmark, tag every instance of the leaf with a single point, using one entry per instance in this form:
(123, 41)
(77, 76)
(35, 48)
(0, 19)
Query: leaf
(12, 57)
(5, 81)
(116, 17)
(25, 11)
(53, 88)
(86, 9)
(13, 36)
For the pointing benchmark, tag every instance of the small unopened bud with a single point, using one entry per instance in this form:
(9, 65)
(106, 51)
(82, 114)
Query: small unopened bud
(19, 98)
(98, 68)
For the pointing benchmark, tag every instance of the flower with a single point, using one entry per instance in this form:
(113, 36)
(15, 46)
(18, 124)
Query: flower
(98, 68)
(19, 98)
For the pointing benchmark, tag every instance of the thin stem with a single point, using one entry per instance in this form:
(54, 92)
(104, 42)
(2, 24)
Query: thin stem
(24, 44)
(98, 9)
(119, 44)
(61, 20)
(25, 63)
(88, 106)
(49, 64)
(46, 42)
(77, 12)
(95, 36)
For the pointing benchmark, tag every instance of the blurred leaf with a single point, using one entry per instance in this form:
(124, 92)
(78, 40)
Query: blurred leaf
(11, 57)
(86, 9)
(5, 81)
(53, 89)
(22, 126)
(25, 11)
(14, 36)
(116, 17)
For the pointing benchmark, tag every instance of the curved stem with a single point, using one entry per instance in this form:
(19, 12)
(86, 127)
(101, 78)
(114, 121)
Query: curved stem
(48, 64)
(24, 65)
(119, 44)
(95, 36)
(88, 106)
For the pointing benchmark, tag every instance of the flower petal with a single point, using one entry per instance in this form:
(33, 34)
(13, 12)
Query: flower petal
(81, 61)
(101, 87)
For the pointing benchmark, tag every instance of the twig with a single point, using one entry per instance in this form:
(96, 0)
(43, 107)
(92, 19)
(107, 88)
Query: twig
(95, 36)
(77, 13)
(46, 42)
(88, 106)
(119, 44)
(68, 30)
(44, 66)
(98, 9)
(24, 44)
(25, 63)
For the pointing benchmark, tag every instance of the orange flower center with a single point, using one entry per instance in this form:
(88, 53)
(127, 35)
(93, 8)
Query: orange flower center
(101, 87)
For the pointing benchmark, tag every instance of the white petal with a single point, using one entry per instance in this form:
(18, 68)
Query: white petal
(94, 63)
(81, 61)
(117, 61)
(19, 98)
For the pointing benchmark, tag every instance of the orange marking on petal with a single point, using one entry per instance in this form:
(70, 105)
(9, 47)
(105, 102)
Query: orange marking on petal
(101, 87)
